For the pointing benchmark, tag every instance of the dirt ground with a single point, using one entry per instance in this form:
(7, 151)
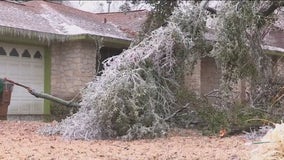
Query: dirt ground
(20, 140)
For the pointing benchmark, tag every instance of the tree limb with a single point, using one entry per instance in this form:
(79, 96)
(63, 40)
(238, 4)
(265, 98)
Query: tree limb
(211, 10)
(54, 99)
(271, 8)
(176, 112)
(263, 12)
(44, 95)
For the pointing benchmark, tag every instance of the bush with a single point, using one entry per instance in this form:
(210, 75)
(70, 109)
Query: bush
(59, 112)
(235, 120)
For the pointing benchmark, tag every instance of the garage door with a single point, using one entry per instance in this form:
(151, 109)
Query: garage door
(23, 64)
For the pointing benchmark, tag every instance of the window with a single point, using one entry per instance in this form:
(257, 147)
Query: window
(2, 51)
(26, 54)
(14, 52)
(37, 55)
(106, 52)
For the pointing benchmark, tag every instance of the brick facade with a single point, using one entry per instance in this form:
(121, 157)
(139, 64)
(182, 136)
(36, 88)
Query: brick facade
(205, 77)
(73, 64)
(280, 67)
(210, 75)
(193, 81)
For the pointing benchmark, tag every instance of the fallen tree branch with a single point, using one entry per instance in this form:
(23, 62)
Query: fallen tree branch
(55, 99)
(211, 10)
(271, 8)
(176, 112)
(44, 95)
(211, 92)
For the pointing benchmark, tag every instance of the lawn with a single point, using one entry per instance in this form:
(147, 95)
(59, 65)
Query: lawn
(20, 140)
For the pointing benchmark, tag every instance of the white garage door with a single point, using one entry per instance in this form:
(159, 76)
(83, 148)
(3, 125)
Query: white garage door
(23, 64)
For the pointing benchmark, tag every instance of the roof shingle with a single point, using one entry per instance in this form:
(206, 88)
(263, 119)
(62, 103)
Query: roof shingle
(53, 18)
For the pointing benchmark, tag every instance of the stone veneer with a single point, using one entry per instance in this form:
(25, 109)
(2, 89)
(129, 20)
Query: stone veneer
(73, 64)
(193, 81)
(280, 67)
(204, 78)
(210, 75)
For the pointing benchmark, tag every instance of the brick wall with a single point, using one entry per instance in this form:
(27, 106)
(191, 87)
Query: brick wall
(73, 64)
(210, 75)
(204, 78)
(280, 67)
(193, 81)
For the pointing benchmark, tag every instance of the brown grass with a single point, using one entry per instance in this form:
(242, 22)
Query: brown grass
(19, 140)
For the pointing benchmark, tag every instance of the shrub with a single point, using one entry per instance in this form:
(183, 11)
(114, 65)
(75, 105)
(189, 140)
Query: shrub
(235, 120)
(59, 112)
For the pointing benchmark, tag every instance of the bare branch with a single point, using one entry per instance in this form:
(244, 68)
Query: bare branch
(176, 112)
(275, 5)
(211, 10)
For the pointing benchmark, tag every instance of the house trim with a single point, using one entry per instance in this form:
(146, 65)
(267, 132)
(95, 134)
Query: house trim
(47, 64)
(47, 78)
(43, 38)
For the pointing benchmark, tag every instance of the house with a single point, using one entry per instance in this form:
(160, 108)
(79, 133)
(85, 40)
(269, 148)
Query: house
(206, 75)
(56, 49)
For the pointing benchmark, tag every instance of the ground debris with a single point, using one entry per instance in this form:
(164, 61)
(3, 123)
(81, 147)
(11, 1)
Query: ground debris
(180, 144)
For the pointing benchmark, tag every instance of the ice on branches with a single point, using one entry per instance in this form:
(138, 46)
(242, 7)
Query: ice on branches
(133, 97)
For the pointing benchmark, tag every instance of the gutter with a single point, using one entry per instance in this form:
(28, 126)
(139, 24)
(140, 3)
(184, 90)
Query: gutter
(46, 38)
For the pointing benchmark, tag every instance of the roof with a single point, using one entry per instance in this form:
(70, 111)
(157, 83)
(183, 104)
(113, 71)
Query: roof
(47, 20)
(129, 22)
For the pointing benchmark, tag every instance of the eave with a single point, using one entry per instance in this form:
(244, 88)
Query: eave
(44, 38)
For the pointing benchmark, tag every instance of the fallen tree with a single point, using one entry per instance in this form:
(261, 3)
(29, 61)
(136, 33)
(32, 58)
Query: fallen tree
(136, 94)
(133, 97)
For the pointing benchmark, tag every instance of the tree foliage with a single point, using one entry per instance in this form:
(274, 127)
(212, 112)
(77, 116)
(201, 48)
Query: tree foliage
(241, 28)
(136, 94)
(133, 97)
(158, 16)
